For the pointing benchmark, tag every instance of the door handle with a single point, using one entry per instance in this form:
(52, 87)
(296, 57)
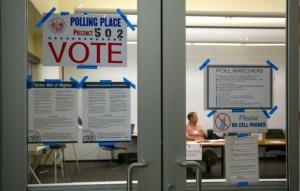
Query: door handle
(129, 173)
(198, 172)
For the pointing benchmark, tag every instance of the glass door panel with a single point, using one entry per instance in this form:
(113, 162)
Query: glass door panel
(92, 24)
(228, 37)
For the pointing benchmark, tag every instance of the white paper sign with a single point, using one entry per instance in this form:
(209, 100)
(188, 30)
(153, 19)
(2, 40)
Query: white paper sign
(193, 151)
(52, 112)
(241, 122)
(106, 112)
(241, 159)
(246, 87)
(71, 40)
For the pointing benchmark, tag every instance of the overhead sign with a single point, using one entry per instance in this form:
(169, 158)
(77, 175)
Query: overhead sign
(106, 112)
(245, 122)
(233, 87)
(193, 151)
(71, 40)
(52, 112)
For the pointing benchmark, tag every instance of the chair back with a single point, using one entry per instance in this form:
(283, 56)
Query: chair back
(275, 134)
(107, 143)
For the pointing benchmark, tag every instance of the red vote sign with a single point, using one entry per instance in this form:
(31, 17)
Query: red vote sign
(71, 40)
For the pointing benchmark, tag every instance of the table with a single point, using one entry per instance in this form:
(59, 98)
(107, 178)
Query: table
(37, 154)
(273, 143)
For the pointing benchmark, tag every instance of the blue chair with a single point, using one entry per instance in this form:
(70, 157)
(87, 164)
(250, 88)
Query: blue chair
(110, 146)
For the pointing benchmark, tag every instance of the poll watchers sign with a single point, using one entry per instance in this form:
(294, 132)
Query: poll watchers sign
(235, 87)
(71, 40)
(244, 122)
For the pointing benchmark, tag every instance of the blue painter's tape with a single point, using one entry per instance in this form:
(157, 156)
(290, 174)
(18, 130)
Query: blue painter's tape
(272, 65)
(82, 81)
(129, 83)
(242, 184)
(273, 110)
(29, 78)
(64, 13)
(266, 114)
(242, 135)
(211, 113)
(29, 81)
(204, 64)
(125, 19)
(85, 13)
(53, 80)
(105, 81)
(238, 110)
(45, 17)
(86, 67)
(74, 81)
(79, 84)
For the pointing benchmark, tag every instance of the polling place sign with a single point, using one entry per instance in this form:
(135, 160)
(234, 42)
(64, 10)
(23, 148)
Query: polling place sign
(76, 39)
(244, 122)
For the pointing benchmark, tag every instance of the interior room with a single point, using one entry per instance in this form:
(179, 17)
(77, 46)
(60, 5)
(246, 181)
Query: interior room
(232, 33)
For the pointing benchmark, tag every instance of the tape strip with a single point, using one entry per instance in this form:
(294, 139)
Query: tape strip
(45, 17)
(86, 67)
(129, 83)
(79, 84)
(211, 113)
(242, 184)
(125, 19)
(204, 64)
(29, 81)
(85, 13)
(266, 114)
(105, 81)
(273, 110)
(238, 110)
(272, 65)
(242, 135)
(53, 80)
(64, 13)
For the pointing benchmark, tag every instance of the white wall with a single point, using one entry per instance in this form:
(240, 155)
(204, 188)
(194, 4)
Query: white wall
(196, 55)
(241, 55)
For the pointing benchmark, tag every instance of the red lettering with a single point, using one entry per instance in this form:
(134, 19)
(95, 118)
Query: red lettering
(110, 52)
(98, 50)
(59, 57)
(87, 52)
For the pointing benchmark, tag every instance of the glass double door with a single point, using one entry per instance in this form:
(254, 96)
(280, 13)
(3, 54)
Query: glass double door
(165, 55)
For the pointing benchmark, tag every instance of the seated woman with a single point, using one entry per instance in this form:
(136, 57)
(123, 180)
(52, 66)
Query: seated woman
(195, 132)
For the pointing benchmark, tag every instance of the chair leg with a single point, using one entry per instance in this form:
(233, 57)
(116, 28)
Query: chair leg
(31, 170)
(55, 167)
(98, 156)
(61, 162)
(112, 155)
(64, 167)
(78, 169)
(48, 157)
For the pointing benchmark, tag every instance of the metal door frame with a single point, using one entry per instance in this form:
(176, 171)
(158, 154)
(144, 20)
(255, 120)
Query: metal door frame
(14, 100)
